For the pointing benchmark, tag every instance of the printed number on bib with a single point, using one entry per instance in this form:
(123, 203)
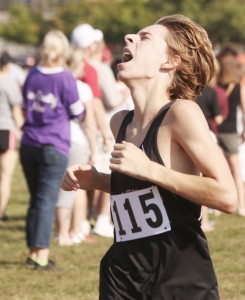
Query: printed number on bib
(139, 214)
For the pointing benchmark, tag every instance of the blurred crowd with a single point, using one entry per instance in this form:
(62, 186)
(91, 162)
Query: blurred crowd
(57, 114)
(223, 104)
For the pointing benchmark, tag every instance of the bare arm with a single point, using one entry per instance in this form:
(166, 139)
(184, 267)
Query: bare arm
(18, 115)
(90, 128)
(190, 133)
(86, 178)
(103, 126)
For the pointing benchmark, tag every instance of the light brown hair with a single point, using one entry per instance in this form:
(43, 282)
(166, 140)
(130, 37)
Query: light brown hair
(190, 41)
(75, 58)
(54, 47)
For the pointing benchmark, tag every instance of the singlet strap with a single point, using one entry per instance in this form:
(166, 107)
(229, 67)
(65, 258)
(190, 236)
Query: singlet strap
(154, 126)
(155, 123)
(127, 119)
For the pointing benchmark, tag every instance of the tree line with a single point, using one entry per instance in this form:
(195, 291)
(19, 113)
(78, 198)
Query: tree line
(223, 20)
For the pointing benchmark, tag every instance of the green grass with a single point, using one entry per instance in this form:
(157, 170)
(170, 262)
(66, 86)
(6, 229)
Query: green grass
(78, 279)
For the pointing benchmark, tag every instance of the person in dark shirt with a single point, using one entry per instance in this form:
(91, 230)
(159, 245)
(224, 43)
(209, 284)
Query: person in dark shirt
(228, 137)
(209, 104)
(211, 108)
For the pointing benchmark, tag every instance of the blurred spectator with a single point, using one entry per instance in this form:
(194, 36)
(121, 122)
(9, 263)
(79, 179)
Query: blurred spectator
(111, 97)
(16, 73)
(229, 79)
(209, 104)
(222, 100)
(11, 120)
(72, 207)
(27, 61)
(89, 39)
(127, 102)
(106, 54)
(226, 54)
(50, 100)
(80, 39)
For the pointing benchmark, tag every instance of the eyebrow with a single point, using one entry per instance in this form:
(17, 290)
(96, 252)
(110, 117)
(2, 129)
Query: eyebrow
(143, 33)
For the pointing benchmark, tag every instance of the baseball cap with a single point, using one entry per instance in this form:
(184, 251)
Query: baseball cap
(85, 35)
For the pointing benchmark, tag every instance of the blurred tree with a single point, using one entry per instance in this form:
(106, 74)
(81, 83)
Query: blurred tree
(224, 20)
(114, 18)
(26, 25)
(131, 16)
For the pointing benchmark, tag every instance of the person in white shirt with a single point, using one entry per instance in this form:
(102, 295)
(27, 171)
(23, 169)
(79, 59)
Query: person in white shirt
(72, 208)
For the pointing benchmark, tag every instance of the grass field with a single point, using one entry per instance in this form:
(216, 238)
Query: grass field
(78, 279)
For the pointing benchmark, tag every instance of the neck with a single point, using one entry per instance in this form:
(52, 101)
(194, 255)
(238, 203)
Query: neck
(148, 97)
(53, 64)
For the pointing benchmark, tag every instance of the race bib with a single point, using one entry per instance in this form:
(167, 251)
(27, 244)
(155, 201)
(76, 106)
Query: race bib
(139, 214)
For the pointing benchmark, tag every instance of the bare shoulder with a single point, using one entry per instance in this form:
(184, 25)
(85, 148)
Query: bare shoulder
(182, 107)
(185, 114)
(116, 121)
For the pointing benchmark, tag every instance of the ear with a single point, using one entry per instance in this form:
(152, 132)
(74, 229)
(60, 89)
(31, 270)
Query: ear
(171, 64)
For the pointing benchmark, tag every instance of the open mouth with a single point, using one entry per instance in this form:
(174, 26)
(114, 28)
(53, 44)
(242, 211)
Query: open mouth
(127, 57)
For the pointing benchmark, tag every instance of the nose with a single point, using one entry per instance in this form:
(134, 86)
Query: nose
(129, 38)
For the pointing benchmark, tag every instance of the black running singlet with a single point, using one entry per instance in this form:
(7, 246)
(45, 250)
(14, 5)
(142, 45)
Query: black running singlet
(174, 265)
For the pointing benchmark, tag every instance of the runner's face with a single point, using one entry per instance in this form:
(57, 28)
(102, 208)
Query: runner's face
(144, 53)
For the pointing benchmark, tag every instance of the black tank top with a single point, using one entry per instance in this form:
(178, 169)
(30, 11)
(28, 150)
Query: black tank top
(168, 266)
(180, 211)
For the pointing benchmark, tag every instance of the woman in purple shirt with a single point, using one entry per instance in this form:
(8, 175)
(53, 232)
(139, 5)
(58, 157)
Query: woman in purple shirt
(50, 101)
